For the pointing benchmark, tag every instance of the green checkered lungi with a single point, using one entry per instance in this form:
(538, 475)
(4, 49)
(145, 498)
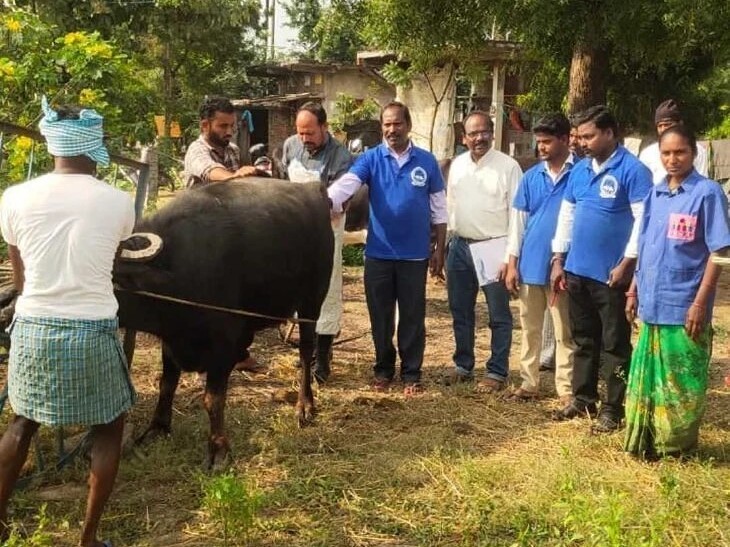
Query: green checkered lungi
(68, 371)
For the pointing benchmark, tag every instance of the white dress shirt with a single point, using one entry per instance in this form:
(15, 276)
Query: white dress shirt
(479, 196)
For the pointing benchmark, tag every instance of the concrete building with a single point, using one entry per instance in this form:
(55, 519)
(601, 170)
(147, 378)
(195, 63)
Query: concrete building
(273, 117)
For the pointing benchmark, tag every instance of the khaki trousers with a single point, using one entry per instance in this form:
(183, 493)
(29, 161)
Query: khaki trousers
(534, 300)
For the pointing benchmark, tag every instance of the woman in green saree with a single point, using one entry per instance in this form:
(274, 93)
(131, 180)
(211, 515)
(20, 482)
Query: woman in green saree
(685, 221)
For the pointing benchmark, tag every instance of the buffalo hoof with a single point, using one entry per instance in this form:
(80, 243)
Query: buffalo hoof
(305, 413)
(218, 461)
(152, 433)
(219, 454)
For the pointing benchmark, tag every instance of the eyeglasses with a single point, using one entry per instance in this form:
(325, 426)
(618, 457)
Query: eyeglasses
(475, 134)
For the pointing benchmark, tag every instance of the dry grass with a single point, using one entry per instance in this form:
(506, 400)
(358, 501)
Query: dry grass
(451, 467)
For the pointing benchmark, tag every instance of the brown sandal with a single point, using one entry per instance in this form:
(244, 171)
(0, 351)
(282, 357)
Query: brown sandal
(490, 385)
(413, 389)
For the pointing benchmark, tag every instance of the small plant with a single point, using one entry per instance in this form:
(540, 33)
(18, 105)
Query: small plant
(39, 538)
(232, 503)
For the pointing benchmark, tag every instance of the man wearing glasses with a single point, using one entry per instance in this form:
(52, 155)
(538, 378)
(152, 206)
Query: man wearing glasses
(482, 183)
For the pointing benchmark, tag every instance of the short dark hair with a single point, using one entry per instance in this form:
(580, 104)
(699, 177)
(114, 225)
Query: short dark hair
(599, 115)
(211, 105)
(479, 113)
(68, 112)
(555, 124)
(316, 109)
(683, 131)
(397, 104)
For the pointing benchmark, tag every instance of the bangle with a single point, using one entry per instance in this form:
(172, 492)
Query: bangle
(556, 258)
(696, 305)
(630, 295)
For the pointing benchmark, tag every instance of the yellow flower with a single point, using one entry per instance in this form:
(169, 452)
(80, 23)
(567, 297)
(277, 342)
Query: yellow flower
(74, 38)
(89, 97)
(24, 143)
(7, 68)
(99, 50)
(12, 25)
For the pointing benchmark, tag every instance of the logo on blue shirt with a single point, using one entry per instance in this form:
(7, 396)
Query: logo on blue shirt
(419, 176)
(609, 187)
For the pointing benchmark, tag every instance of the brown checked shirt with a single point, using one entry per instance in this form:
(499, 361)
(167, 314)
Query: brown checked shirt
(201, 158)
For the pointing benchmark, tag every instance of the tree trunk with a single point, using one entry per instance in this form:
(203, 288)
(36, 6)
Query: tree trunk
(588, 74)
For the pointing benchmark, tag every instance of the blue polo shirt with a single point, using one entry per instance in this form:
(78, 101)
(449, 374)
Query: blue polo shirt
(540, 198)
(603, 220)
(400, 202)
(678, 233)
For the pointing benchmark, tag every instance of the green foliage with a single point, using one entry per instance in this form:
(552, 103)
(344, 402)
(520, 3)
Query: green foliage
(420, 36)
(232, 504)
(304, 15)
(653, 51)
(76, 67)
(38, 538)
(546, 87)
(328, 33)
(349, 110)
(353, 255)
(338, 31)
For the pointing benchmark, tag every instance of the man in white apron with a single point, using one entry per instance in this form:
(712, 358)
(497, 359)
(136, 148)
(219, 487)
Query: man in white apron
(313, 155)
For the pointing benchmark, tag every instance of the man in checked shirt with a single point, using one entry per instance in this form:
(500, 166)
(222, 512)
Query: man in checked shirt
(211, 158)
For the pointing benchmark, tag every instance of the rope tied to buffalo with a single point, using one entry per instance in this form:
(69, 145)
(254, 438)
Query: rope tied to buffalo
(216, 308)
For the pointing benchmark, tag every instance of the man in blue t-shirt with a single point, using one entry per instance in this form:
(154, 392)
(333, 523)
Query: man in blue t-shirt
(534, 218)
(407, 197)
(598, 229)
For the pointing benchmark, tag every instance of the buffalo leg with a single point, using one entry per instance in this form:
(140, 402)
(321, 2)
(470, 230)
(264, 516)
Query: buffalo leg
(305, 401)
(162, 419)
(216, 387)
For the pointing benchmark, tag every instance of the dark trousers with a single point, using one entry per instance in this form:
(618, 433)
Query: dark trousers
(603, 339)
(463, 288)
(388, 282)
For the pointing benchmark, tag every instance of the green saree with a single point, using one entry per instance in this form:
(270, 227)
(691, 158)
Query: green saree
(666, 391)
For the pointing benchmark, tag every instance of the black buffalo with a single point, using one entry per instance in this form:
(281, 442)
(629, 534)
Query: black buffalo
(259, 245)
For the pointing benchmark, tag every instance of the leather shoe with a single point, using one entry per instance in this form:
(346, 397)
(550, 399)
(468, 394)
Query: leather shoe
(575, 409)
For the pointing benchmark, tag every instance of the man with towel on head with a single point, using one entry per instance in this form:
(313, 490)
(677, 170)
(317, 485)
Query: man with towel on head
(66, 364)
(668, 115)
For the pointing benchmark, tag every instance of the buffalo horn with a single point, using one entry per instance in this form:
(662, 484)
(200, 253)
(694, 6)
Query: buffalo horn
(152, 250)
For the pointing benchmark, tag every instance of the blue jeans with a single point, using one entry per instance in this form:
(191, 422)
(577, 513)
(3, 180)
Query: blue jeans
(463, 288)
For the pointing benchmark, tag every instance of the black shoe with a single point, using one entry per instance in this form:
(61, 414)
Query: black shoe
(321, 370)
(575, 409)
(547, 367)
(606, 423)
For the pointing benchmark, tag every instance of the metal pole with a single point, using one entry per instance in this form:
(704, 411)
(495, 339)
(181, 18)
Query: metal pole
(273, 29)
